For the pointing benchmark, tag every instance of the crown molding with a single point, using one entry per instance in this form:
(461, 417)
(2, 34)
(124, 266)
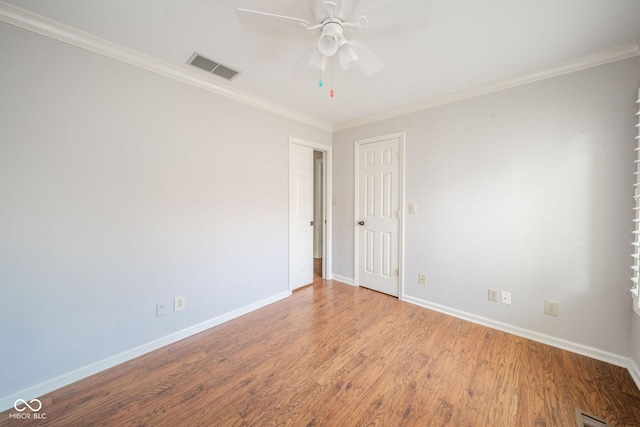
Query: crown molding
(47, 27)
(606, 56)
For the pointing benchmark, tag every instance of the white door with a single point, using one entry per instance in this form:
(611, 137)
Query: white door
(378, 221)
(301, 216)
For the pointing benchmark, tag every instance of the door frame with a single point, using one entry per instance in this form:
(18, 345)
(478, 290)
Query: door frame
(318, 181)
(356, 233)
(327, 208)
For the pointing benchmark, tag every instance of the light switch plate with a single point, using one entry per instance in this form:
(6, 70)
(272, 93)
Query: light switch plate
(162, 309)
(506, 297)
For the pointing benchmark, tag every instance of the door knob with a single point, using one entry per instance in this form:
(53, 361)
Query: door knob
(360, 222)
(311, 223)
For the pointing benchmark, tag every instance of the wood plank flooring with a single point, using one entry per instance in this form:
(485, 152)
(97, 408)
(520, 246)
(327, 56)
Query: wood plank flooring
(337, 355)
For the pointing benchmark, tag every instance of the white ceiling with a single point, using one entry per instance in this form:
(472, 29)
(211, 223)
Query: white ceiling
(456, 45)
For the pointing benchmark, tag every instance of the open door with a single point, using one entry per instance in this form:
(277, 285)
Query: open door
(301, 215)
(303, 221)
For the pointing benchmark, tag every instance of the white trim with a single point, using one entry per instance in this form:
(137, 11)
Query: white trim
(318, 187)
(47, 27)
(584, 350)
(634, 370)
(343, 279)
(606, 56)
(403, 138)
(327, 256)
(401, 135)
(6, 402)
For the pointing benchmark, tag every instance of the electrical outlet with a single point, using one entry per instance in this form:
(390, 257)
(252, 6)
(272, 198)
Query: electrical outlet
(422, 279)
(493, 295)
(162, 309)
(551, 308)
(506, 297)
(179, 303)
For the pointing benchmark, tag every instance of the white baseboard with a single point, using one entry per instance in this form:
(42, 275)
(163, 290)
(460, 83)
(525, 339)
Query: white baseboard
(584, 350)
(7, 402)
(634, 370)
(343, 279)
(48, 386)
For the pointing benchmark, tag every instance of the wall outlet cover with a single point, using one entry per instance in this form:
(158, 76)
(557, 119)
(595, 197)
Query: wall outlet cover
(179, 303)
(551, 308)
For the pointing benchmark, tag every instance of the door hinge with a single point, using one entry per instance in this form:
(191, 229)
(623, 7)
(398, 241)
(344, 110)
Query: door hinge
(397, 272)
(399, 155)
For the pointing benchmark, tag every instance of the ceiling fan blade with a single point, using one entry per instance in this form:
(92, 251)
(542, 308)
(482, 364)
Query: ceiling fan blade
(270, 22)
(388, 13)
(366, 61)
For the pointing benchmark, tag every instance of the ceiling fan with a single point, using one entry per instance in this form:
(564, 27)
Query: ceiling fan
(331, 19)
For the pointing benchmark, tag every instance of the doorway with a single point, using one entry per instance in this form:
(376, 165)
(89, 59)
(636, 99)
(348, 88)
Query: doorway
(318, 212)
(309, 212)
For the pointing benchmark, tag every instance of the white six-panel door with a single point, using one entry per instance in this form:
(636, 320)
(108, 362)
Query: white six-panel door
(378, 215)
(301, 215)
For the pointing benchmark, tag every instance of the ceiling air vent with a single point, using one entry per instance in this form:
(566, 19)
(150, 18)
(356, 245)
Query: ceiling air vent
(212, 66)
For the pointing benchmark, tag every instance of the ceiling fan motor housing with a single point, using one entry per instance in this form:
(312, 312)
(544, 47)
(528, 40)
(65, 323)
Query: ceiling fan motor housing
(342, 9)
(330, 39)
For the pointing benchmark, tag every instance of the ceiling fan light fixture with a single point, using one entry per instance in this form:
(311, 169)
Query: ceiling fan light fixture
(347, 56)
(330, 39)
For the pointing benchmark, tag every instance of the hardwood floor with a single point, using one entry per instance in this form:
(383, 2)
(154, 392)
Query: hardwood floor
(337, 355)
(317, 268)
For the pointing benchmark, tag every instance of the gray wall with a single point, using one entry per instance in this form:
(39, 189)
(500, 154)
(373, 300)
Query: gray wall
(119, 189)
(527, 190)
(635, 343)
